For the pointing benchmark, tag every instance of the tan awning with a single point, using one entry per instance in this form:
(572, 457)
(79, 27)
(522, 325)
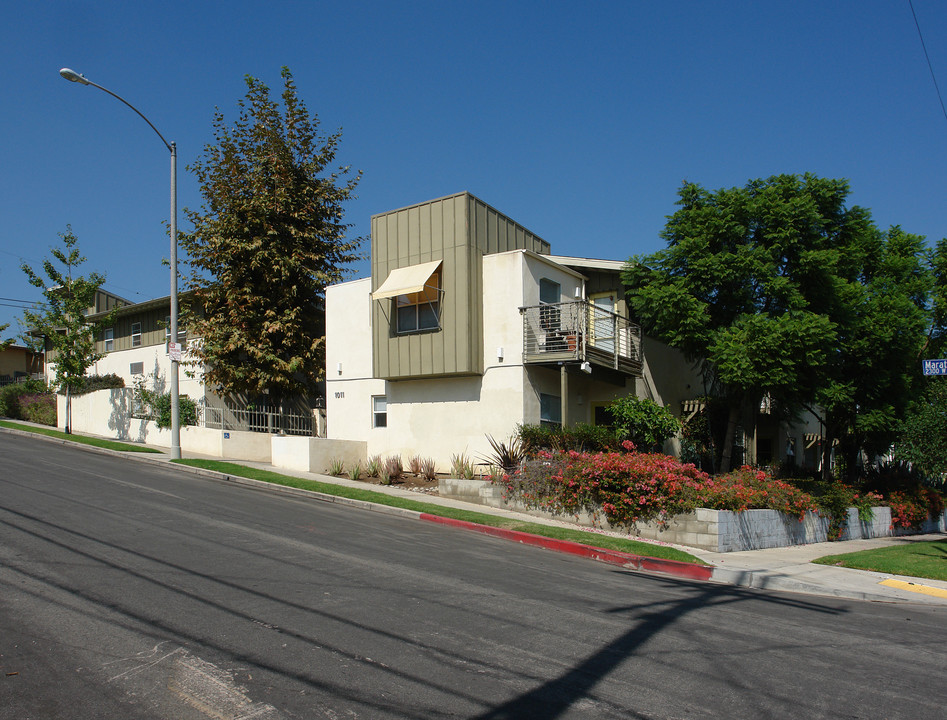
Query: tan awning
(406, 280)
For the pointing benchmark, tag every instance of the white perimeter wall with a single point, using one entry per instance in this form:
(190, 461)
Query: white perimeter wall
(107, 413)
(157, 370)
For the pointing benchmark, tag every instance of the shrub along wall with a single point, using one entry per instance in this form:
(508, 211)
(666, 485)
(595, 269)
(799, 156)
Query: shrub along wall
(31, 401)
(637, 491)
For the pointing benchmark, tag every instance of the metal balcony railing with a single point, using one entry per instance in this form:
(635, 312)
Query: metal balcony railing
(580, 331)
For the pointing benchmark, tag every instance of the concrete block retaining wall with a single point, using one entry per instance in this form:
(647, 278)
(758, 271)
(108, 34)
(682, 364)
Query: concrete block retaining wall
(714, 530)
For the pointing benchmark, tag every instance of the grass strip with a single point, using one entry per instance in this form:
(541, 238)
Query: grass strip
(608, 542)
(82, 439)
(916, 559)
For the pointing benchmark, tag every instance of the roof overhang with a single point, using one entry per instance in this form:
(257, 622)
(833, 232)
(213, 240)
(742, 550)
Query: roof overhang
(406, 280)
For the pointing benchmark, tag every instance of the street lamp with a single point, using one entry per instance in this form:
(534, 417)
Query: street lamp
(73, 76)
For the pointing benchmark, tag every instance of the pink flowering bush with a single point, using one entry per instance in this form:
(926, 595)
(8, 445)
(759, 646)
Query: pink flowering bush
(907, 510)
(749, 488)
(630, 487)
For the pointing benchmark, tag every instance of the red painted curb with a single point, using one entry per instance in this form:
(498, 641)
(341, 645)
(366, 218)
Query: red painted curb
(613, 557)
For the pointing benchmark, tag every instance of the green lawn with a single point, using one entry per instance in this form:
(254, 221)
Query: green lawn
(97, 442)
(917, 559)
(560, 533)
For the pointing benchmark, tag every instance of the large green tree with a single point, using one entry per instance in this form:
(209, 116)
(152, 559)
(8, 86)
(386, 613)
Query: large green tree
(62, 318)
(268, 239)
(883, 320)
(780, 289)
(921, 441)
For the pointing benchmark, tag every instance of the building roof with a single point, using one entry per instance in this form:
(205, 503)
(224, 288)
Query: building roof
(589, 263)
(134, 307)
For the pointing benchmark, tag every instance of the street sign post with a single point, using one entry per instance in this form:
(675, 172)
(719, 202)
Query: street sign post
(935, 367)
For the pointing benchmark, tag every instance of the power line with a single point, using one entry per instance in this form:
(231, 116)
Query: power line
(30, 306)
(929, 65)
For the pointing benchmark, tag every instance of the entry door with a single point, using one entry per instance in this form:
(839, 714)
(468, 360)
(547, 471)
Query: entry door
(602, 323)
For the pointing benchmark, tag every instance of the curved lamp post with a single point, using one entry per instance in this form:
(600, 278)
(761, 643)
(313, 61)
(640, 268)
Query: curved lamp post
(73, 76)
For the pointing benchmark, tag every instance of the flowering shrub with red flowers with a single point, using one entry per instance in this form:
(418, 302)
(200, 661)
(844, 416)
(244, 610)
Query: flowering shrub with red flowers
(749, 488)
(630, 487)
(907, 510)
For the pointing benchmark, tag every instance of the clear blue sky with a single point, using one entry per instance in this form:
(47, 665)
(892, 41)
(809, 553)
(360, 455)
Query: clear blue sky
(578, 120)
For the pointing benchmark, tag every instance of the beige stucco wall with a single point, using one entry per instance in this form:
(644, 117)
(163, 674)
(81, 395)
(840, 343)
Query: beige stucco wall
(667, 377)
(19, 359)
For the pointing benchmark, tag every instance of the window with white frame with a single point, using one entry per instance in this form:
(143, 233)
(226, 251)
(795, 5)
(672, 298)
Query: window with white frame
(136, 334)
(379, 411)
(550, 410)
(109, 337)
(421, 310)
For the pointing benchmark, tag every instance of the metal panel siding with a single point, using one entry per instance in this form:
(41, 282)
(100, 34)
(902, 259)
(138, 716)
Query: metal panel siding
(402, 239)
(458, 230)
(414, 235)
(424, 230)
(422, 233)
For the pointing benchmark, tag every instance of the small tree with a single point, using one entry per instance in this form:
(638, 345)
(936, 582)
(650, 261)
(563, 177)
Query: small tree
(644, 422)
(268, 240)
(62, 320)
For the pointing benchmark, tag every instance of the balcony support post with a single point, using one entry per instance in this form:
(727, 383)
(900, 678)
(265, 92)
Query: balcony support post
(564, 395)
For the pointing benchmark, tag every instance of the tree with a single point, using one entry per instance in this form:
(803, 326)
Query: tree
(268, 240)
(883, 323)
(921, 440)
(62, 320)
(779, 289)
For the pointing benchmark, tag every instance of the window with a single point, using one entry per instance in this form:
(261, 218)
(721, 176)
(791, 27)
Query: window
(182, 332)
(379, 411)
(550, 293)
(420, 310)
(136, 334)
(550, 410)
(109, 339)
(137, 368)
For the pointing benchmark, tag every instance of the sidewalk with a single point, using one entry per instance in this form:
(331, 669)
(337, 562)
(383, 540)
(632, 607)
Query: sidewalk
(788, 569)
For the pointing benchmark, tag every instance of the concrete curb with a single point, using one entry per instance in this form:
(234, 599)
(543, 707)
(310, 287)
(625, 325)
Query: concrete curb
(690, 571)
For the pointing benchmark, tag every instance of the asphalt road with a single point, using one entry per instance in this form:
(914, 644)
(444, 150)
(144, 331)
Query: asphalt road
(129, 590)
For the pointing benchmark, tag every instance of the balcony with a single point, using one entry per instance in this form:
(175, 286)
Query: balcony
(579, 331)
